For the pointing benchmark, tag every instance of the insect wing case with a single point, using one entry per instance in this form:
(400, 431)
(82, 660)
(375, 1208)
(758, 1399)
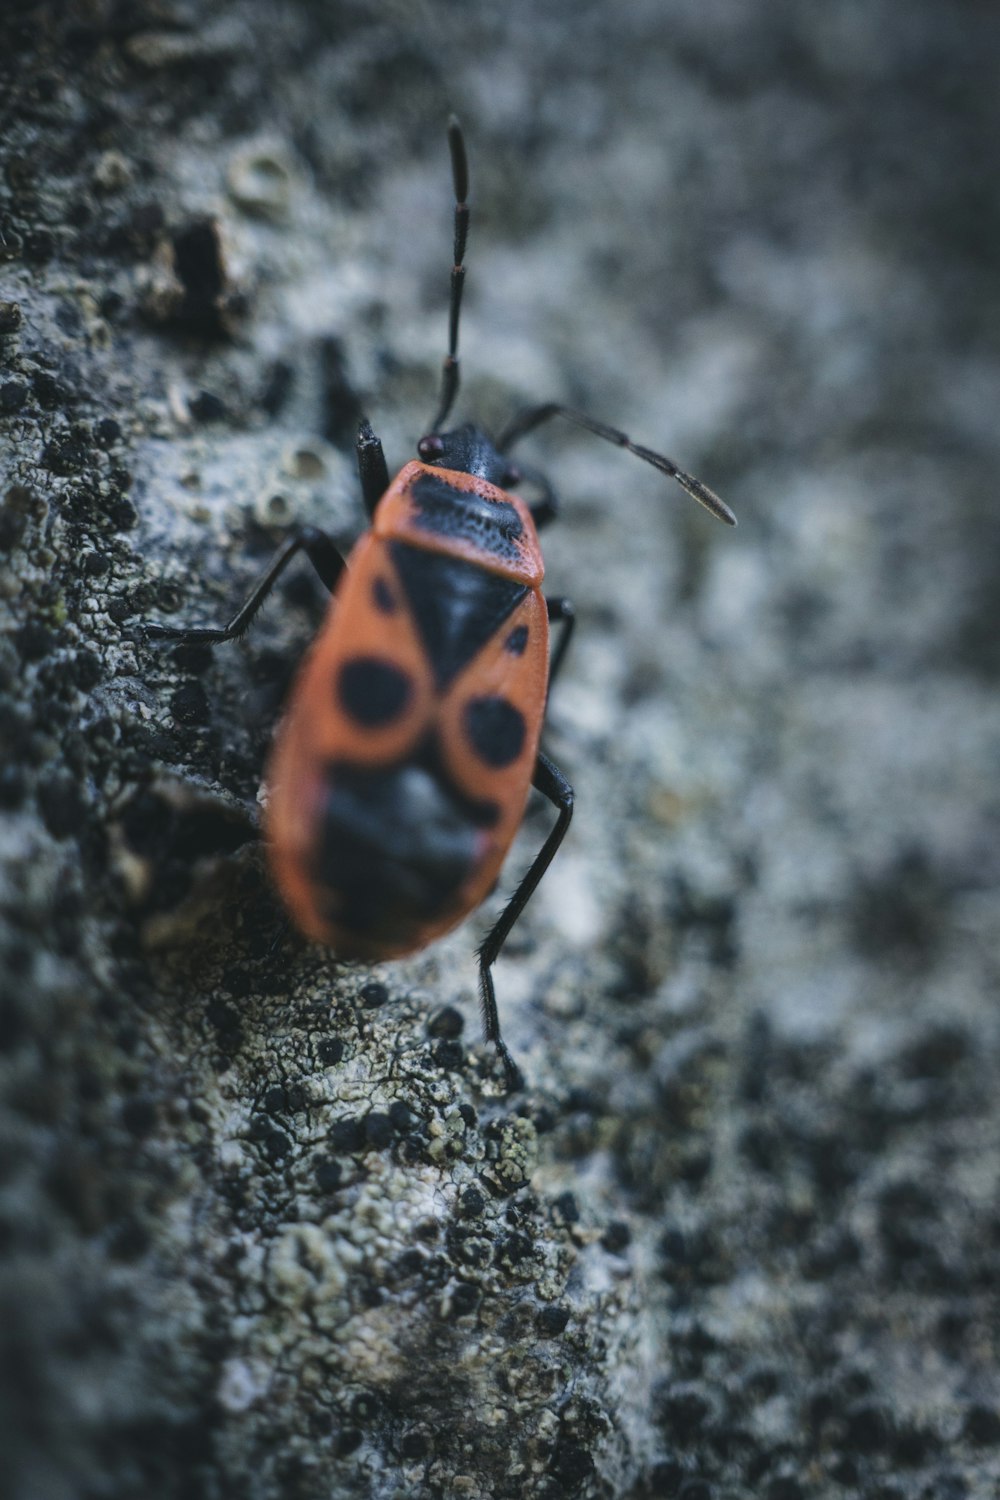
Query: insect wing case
(402, 767)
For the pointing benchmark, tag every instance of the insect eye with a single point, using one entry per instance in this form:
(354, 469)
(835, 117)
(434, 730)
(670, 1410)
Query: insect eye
(511, 476)
(431, 447)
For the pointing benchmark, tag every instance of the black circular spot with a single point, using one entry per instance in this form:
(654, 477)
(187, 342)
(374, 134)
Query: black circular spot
(383, 598)
(496, 730)
(517, 640)
(373, 691)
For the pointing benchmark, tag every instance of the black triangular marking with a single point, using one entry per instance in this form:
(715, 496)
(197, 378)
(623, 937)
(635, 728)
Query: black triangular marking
(457, 605)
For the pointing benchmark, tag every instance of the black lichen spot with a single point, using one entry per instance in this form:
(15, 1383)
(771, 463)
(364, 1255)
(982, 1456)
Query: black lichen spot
(449, 1056)
(206, 406)
(616, 1238)
(513, 1249)
(383, 598)
(123, 515)
(12, 788)
(471, 1203)
(61, 805)
(278, 383)
(277, 1145)
(566, 1208)
(551, 1321)
(34, 641)
(341, 405)
(364, 1407)
(447, 1022)
(13, 394)
(900, 912)
(65, 454)
(327, 1173)
(415, 1444)
(517, 640)
(189, 704)
(571, 1465)
(49, 392)
(496, 730)
(198, 262)
(139, 1116)
(982, 1425)
(867, 1427)
(378, 1129)
(372, 691)
(346, 1136)
(464, 1299)
(225, 1022)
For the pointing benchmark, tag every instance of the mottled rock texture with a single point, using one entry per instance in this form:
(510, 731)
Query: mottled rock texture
(268, 1227)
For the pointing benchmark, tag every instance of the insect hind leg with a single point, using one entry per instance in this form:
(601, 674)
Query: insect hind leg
(551, 782)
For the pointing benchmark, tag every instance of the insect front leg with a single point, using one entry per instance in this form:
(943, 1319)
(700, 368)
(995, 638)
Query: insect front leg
(551, 782)
(372, 468)
(319, 549)
(546, 508)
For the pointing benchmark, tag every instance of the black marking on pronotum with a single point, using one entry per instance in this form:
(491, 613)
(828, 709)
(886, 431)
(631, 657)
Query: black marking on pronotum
(517, 640)
(372, 691)
(395, 845)
(383, 598)
(496, 730)
(493, 525)
(456, 605)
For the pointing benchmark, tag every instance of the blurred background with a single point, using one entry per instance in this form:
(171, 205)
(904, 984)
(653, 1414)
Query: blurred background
(756, 998)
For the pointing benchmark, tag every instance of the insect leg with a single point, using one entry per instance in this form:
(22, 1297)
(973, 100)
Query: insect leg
(371, 466)
(320, 551)
(561, 612)
(551, 782)
(546, 508)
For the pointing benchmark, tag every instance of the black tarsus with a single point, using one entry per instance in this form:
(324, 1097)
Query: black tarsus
(551, 782)
(372, 469)
(533, 416)
(460, 179)
(319, 549)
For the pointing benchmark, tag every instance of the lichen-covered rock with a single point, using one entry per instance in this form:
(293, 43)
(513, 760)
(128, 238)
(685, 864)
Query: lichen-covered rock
(267, 1224)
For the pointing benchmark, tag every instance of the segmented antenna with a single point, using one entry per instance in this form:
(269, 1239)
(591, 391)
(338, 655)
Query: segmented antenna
(460, 178)
(533, 416)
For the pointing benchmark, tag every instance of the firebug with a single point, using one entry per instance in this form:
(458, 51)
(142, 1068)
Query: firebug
(403, 763)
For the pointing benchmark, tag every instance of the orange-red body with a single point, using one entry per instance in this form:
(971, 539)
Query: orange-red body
(432, 726)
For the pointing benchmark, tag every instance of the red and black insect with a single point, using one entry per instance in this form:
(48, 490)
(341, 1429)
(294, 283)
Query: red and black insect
(401, 769)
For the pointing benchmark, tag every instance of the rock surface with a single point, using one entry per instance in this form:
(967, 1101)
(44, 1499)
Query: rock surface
(267, 1225)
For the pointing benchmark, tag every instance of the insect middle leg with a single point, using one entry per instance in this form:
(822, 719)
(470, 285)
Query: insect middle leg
(561, 612)
(319, 549)
(551, 782)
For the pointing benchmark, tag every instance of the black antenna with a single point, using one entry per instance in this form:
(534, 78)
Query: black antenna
(460, 177)
(533, 416)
